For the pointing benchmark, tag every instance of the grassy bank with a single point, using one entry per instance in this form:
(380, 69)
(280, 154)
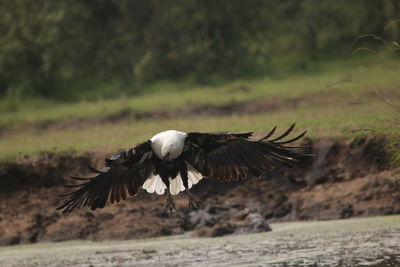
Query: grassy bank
(343, 98)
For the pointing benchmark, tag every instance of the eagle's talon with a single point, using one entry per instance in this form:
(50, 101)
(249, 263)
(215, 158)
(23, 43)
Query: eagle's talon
(194, 202)
(194, 205)
(170, 206)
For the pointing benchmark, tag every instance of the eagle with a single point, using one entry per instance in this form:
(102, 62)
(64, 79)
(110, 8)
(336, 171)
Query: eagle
(173, 161)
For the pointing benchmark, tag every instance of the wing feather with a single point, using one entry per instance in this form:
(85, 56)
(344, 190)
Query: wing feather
(230, 156)
(124, 174)
(286, 133)
(292, 140)
(269, 134)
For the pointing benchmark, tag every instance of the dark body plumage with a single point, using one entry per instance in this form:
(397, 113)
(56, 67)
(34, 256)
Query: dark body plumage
(160, 164)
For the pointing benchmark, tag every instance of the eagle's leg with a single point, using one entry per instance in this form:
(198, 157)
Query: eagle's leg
(170, 206)
(194, 202)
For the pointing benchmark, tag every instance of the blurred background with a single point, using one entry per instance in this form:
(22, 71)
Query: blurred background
(72, 50)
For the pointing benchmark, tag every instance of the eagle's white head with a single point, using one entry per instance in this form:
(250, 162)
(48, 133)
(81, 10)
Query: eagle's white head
(168, 145)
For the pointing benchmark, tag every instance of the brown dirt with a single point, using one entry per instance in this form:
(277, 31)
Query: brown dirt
(346, 179)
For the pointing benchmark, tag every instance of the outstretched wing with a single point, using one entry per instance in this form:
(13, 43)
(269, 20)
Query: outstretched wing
(230, 156)
(123, 174)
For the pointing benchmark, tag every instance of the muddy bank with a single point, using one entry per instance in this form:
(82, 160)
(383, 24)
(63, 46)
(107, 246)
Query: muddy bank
(373, 241)
(347, 179)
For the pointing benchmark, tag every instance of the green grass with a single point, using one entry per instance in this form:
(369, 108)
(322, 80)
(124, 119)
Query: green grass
(165, 96)
(321, 121)
(325, 112)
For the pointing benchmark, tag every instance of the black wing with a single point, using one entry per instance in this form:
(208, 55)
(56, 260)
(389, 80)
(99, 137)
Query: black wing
(124, 173)
(230, 156)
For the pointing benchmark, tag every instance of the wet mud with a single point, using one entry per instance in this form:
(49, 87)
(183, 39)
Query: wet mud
(352, 178)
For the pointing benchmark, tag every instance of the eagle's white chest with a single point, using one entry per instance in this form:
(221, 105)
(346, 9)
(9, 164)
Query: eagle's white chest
(168, 145)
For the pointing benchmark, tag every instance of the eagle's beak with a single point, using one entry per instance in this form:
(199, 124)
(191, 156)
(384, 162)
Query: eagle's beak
(166, 157)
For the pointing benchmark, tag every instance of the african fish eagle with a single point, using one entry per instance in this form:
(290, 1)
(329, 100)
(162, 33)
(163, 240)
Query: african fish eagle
(173, 161)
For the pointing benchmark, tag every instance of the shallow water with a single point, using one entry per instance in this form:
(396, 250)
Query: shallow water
(373, 241)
